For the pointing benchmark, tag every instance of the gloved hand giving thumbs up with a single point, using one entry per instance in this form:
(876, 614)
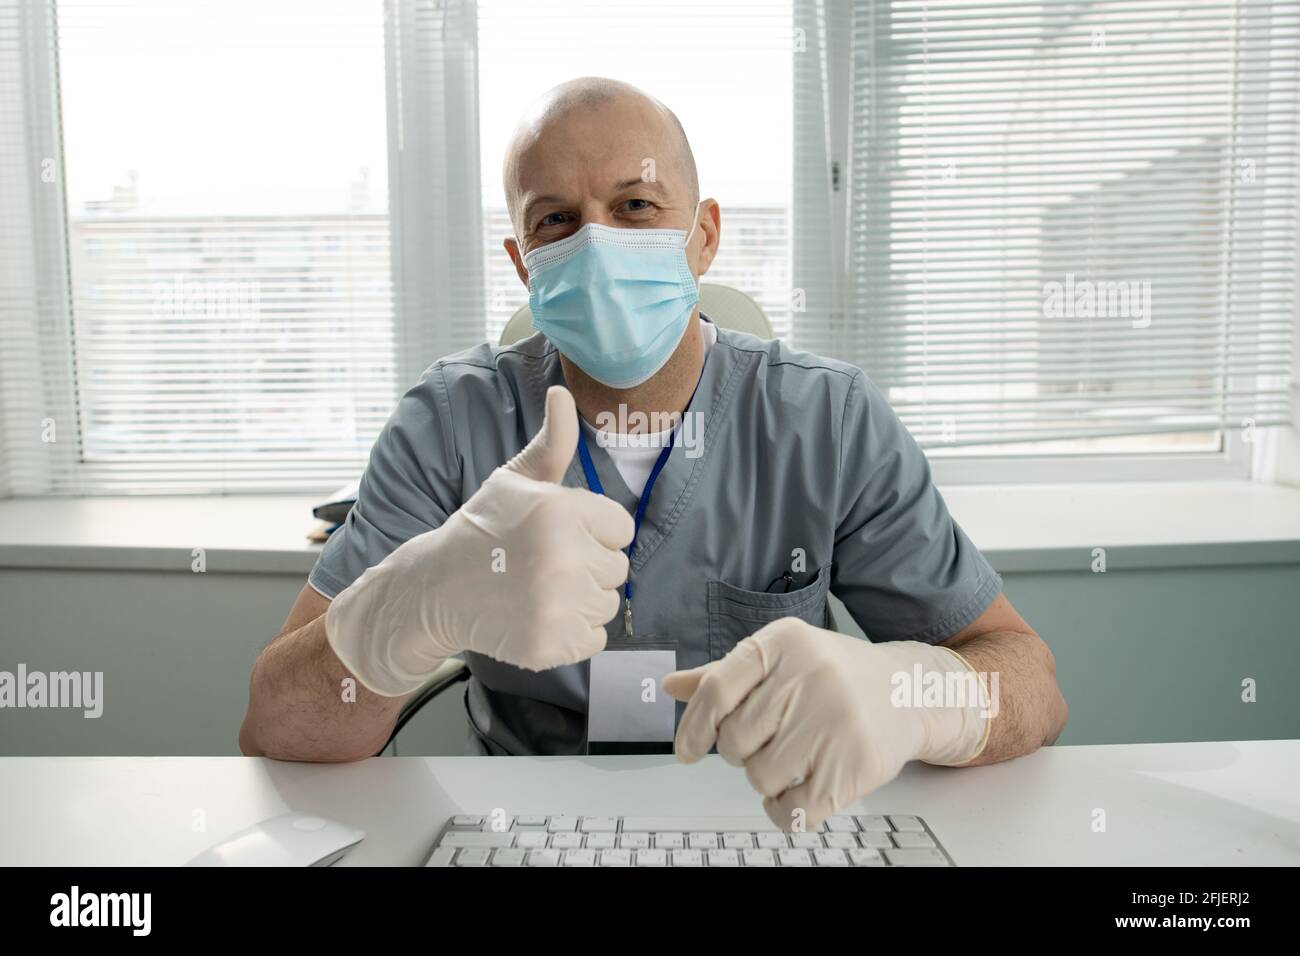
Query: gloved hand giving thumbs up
(527, 572)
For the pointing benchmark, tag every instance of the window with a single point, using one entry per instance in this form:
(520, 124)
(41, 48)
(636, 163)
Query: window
(736, 51)
(1061, 237)
(227, 241)
(1054, 229)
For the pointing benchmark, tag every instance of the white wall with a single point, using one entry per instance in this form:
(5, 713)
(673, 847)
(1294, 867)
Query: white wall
(1145, 655)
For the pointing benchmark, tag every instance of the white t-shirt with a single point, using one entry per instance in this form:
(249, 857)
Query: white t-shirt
(635, 455)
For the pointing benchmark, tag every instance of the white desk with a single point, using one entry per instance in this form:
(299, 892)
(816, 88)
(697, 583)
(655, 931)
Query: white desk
(1187, 804)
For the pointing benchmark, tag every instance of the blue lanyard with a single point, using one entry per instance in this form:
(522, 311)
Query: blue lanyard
(593, 482)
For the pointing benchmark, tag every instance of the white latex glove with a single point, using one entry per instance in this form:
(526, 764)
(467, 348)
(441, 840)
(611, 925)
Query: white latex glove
(442, 592)
(811, 716)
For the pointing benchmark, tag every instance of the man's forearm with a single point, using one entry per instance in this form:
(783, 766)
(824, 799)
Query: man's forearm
(1030, 711)
(305, 705)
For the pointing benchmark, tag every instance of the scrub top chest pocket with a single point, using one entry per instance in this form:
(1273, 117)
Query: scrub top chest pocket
(735, 613)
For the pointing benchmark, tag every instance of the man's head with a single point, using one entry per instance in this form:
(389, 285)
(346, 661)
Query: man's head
(598, 150)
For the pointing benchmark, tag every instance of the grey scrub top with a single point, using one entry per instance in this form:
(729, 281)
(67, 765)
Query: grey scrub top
(798, 452)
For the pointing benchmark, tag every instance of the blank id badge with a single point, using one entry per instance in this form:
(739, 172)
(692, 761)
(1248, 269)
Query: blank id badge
(627, 709)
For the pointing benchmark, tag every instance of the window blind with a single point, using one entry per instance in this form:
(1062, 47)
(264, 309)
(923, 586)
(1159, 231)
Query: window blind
(37, 419)
(210, 304)
(740, 128)
(433, 157)
(1052, 222)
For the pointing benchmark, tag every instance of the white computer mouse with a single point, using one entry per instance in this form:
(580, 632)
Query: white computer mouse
(292, 839)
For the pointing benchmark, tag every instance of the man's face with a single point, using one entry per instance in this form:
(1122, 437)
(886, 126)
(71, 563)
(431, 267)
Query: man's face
(616, 165)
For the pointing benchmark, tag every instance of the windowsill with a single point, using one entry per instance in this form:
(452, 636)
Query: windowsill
(1149, 524)
(250, 534)
(1021, 528)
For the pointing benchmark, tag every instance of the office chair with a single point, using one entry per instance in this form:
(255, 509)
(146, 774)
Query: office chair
(449, 672)
(730, 309)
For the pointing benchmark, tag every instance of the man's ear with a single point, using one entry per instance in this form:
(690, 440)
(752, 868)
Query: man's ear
(512, 250)
(710, 232)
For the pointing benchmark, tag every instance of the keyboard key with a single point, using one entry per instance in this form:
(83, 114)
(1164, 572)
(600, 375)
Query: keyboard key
(441, 856)
(866, 858)
(580, 858)
(473, 856)
(841, 824)
(566, 841)
(530, 820)
(875, 840)
(830, 857)
(703, 841)
(562, 824)
(789, 857)
(907, 823)
(758, 858)
(615, 857)
(872, 821)
(737, 841)
(531, 839)
(508, 857)
(723, 857)
(911, 840)
(670, 841)
(806, 841)
(841, 841)
(773, 841)
(922, 857)
(599, 824)
(459, 838)
(634, 841)
(700, 824)
(688, 857)
(465, 820)
(544, 858)
(651, 857)
(601, 841)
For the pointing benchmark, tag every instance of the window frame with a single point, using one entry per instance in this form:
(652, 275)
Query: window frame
(1233, 461)
(428, 88)
(828, 28)
(1236, 459)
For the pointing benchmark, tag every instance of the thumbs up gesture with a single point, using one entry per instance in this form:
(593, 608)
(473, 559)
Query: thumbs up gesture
(547, 456)
(527, 572)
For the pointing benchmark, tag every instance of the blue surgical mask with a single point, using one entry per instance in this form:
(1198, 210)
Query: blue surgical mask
(615, 302)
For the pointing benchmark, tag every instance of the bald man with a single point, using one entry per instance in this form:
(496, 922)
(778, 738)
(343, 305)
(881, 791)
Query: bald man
(628, 524)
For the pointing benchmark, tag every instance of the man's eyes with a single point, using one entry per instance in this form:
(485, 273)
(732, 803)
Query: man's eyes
(629, 207)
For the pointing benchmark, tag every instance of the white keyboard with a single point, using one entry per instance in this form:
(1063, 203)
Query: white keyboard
(540, 840)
